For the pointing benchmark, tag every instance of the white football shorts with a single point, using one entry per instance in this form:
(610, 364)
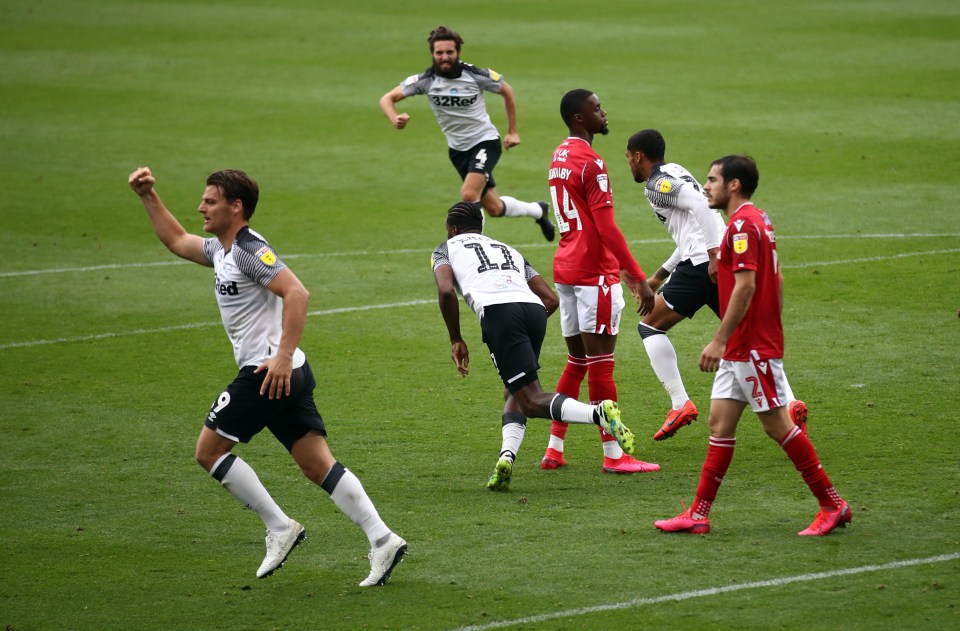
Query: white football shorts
(590, 309)
(761, 383)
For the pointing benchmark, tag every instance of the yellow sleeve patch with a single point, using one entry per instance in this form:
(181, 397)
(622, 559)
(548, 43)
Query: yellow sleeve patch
(266, 256)
(740, 242)
(494, 75)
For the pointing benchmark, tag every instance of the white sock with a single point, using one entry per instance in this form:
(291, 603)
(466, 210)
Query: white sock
(663, 360)
(573, 411)
(242, 482)
(512, 434)
(515, 208)
(611, 449)
(348, 494)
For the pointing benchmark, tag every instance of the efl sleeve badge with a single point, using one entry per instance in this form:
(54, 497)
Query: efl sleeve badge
(266, 256)
(740, 242)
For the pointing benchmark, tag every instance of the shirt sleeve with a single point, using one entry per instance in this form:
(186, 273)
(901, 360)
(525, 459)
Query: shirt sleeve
(257, 260)
(528, 272)
(671, 263)
(745, 247)
(440, 256)
(693, 201)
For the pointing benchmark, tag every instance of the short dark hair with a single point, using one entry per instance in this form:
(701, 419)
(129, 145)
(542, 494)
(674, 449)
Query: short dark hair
(441, 34)
(234, 185)
(573, 103)
(740, 167)
(650, 142)
(466, 216)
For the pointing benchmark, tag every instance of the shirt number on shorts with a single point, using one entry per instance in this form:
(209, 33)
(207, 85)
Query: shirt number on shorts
(222, 402)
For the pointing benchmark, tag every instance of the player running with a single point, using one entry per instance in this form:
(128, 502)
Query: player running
(455, 90)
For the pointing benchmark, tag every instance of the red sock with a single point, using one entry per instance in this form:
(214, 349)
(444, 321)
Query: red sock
(719, 456)
(600, 383)
(572, 376)
(804, 457)
(569, 384)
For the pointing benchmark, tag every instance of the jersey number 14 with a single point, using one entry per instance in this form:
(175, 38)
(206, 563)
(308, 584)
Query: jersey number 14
(564, 210)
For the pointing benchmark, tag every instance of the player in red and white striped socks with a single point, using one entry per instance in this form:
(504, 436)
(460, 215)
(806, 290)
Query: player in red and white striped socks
(747, 354)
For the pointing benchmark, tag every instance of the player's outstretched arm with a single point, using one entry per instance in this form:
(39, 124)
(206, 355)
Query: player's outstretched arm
(388, 104)
(170, 232)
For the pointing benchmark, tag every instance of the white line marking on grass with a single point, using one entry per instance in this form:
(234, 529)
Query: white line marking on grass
(713, 591)
(869, 259)
(97, 268)
(409, 303)
(197, 325)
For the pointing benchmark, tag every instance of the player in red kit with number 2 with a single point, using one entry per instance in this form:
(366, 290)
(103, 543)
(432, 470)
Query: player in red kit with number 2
(747, 354)
(590, 260)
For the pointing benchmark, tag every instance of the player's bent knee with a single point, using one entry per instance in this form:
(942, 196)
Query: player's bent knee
(646, 331)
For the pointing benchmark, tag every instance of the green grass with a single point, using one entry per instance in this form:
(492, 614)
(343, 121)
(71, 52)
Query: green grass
(111, 351)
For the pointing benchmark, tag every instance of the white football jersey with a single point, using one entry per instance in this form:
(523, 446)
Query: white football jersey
(458, 103)
(487, 272)
(679, 202)
(251, 313)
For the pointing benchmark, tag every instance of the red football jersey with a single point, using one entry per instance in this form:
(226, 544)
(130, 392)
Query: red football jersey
(749, 243)
(592, 250)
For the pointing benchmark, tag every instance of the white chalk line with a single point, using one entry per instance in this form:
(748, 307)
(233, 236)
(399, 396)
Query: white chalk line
(712, 591)
(351, 253)
(410, 303)
(195, 325)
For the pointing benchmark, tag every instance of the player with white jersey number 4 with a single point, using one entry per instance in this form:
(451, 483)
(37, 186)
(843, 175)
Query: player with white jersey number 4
(455, 90)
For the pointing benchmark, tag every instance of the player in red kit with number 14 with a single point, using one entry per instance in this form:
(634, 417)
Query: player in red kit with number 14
(747, 354)
(590, 260)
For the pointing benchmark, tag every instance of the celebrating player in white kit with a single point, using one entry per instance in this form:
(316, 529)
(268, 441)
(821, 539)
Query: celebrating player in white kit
(263, 306)
(455, 90)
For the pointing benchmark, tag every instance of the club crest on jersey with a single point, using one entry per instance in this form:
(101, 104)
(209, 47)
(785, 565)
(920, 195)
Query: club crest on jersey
(663, 185)
(602, 182)
(740, 242)
(266, 255)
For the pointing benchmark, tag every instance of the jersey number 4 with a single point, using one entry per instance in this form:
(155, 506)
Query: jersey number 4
(564, 209)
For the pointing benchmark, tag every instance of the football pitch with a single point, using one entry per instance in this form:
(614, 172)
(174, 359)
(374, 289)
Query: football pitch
(111, 349)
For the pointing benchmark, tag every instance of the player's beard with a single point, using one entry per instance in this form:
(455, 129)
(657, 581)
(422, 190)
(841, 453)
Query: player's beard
(452, 73)
(604, 130)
